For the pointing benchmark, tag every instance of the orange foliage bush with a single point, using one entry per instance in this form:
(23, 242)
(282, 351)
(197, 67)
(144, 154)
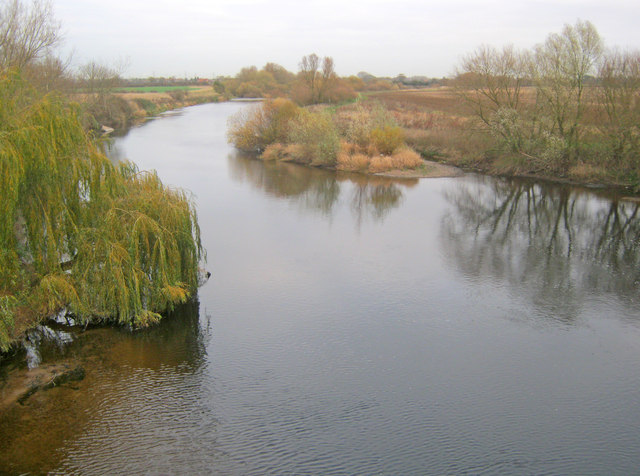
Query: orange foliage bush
(273, 152)
(353, 163)
(406, 158)
(293, 152)
(382, 163)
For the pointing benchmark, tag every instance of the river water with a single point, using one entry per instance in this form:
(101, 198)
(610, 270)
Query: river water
(360, 325)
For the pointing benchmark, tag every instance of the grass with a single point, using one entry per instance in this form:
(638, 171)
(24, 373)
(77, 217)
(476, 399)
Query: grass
(154, 89)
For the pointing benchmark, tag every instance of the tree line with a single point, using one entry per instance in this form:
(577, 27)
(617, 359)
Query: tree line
(315, 82)
(569, 101)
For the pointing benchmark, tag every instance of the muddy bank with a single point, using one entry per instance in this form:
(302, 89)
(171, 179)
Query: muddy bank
(430, 169)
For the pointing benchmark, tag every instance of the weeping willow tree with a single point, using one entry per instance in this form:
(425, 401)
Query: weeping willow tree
(105, 242)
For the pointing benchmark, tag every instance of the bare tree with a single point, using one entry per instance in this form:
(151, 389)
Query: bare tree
(491, 81)
(98, 79)
(319, 77)
(494, 77)
(50, 73)
(309, 66)
(327, 78)
(27, 32)
(619, 98)
(560, 70)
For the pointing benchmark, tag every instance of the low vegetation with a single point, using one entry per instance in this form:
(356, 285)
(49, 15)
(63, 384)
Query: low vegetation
(352, 137)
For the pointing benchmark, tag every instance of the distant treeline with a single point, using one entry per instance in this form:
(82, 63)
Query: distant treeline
(316, 81)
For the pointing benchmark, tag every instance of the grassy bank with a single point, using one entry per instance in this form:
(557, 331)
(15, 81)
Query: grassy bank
(121, 110)
(154, 89)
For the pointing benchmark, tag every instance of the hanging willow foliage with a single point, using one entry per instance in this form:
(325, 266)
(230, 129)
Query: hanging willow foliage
(107, 242)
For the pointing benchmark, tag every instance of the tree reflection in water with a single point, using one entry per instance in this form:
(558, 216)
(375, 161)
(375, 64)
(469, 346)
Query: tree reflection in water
(318, 189)
(557, 245)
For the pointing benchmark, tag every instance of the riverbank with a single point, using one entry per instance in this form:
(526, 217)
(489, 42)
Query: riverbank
(150, 104)
(408, 133)
(429, 169)
(119, 111)
(441, 127)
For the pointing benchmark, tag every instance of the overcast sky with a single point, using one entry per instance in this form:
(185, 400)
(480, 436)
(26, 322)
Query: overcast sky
(218, 37)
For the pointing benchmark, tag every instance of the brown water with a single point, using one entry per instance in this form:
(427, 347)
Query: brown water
(359, 325)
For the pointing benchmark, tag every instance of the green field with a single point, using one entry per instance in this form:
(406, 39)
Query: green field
(153, 89)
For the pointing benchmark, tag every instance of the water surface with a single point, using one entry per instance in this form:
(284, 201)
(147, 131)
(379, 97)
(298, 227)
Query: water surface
(360, 325)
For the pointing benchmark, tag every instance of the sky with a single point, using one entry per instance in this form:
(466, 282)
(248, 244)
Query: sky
(208, 38)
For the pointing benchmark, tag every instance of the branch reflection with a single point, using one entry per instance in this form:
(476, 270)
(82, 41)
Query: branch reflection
(557, 245)
(321, 190)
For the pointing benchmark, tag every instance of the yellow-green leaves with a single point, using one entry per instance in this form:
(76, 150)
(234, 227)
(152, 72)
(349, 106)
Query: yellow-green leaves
(106, 242)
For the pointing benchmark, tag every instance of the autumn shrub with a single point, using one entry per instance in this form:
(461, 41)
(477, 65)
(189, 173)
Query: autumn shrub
(293, 152)
(248, 90)
(351, 159)
(340, 93)
(357, 122)
(253, 129)
(243, 130)
(273, 152)
(318, 136)
(387, 138)
(107, 110)
(301, 94)
(178, 94)
(406, 158)
(381, 163)
(356, 126)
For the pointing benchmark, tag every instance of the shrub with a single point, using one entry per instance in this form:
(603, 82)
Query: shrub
(387, 138)
(178, 94)
(350, 160)
(243, 130)
(382, 163)
(406, 158)
(357, 123)
(341, 92)
(248, 90)
(294, 152)
(253, 129)
(107, 110)
(318, 136)
(273, 152)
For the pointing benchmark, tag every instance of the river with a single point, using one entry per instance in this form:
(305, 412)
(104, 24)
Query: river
(359, 325)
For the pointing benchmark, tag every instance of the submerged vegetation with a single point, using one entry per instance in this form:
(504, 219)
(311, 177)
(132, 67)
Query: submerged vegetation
(78, 234)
